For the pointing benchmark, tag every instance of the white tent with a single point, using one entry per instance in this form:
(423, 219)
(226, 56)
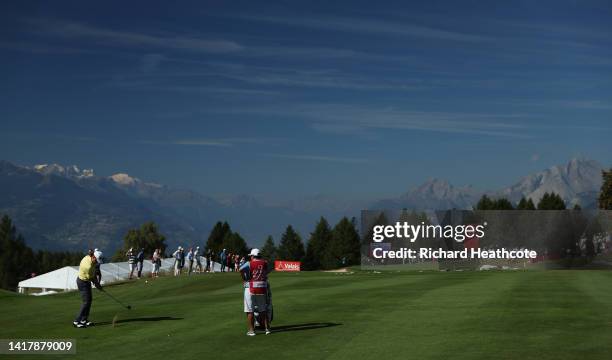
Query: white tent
(61, 279)
(64, 279)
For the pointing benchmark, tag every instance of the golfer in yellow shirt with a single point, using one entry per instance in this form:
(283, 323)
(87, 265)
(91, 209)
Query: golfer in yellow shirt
(87, 276)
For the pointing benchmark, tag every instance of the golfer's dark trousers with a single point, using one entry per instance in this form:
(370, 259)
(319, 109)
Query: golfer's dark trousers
(85, 290)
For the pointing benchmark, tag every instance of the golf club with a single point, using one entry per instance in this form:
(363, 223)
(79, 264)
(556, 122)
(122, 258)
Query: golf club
(129, 307)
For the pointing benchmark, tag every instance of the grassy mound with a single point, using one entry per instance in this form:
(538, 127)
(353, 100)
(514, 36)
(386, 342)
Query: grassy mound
(360, 315)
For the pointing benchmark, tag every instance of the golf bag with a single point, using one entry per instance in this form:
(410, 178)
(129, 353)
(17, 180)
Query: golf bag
(269, 313)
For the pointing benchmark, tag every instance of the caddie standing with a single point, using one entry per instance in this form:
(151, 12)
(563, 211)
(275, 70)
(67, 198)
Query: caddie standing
(255, 273)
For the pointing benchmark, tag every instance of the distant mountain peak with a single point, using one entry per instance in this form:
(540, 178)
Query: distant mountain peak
(71, 171)
(434, 193)
(577, 182)
(124, 179)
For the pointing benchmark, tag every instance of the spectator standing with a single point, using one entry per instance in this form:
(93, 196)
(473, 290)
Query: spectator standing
(182, 257)
(177, 261)
(140, 259)
(209, 257)
(222, 260)
(156, 261)
(229, 262)
(196, 254)
(190, 260)
(131, 261)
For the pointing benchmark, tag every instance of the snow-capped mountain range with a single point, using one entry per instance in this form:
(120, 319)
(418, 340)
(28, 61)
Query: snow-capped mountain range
(64, 207)
(72, 171)
(577, 182)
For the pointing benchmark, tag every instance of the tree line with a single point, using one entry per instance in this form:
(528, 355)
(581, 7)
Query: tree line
(549, 201)
(19, 262)
(326, 248)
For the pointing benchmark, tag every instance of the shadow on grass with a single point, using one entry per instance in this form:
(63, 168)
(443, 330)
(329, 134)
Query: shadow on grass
(158, 318)
(300, 327)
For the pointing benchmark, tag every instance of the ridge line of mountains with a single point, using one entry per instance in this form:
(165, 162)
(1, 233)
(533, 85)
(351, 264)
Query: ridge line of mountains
(67, 208)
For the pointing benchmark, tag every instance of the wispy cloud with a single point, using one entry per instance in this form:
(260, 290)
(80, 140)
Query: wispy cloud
(550, 30)
(70, 29)
(156, 85)
(101, 35)
(351, 119)
(319, 158)
(583, 104)
(218, 142)
(261, 79)
(588, 104)
(369, 26)
(201, 142)
(319, 78)
(319, 53)
(39, 48)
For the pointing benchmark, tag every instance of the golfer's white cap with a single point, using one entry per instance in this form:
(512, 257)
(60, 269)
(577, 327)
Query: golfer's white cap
(98, 254)
(254, 252)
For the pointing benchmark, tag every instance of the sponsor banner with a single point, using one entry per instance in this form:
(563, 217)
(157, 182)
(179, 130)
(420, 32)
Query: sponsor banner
(280, 265)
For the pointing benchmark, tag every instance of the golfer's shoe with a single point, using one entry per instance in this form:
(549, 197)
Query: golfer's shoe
(78, 324)
(86, 323)
(250, 333)
(268, 331)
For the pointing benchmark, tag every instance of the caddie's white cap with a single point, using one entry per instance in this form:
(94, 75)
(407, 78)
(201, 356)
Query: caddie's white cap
(98, 254)
(254, 252)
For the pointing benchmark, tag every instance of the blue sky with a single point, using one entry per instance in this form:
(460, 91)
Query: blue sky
(354, 98)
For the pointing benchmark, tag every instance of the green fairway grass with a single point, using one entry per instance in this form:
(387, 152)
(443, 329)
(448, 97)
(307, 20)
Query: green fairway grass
(360, 315)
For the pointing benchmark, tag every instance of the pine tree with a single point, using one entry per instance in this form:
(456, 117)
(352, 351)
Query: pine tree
(317, 244)
(269, 250)
(485, 203)
(605, 194)
(525, 204)
(16, 258)
(344, 249)
(551, 201)
(216, 237)
(502, 204)
(235, 244)
(146, 237)
(291, 247)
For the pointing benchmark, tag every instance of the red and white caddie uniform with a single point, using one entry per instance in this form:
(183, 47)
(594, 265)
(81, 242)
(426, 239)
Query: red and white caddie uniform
(258, 283)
